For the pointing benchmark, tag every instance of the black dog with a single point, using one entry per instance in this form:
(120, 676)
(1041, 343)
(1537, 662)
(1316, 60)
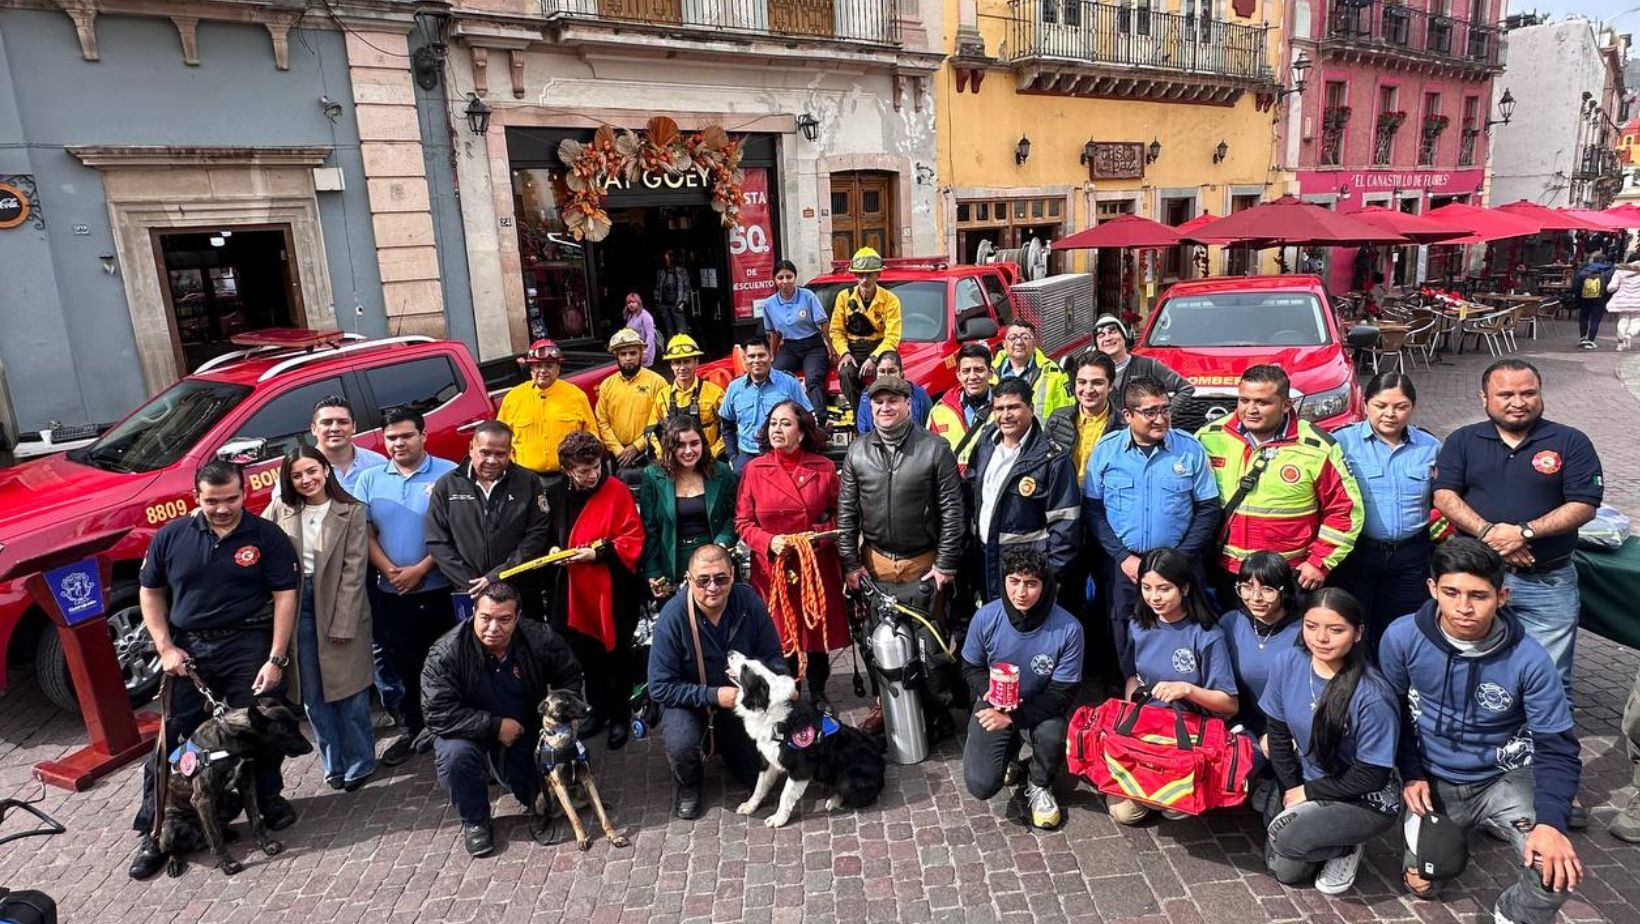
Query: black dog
(212, 776)
(562, 760)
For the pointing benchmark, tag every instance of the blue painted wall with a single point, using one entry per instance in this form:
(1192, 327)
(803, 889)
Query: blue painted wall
(438, 117)
(65, 330)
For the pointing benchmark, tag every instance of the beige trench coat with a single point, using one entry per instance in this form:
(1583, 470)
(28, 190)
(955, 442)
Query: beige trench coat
(338, 598)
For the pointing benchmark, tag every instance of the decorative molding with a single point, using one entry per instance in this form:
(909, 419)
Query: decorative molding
(279, 32)
(84, 14)
(515, 63)
(162, 155)
(188, 32)
(481, 71)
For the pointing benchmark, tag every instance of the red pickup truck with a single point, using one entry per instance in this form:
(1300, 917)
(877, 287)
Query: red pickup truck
(254, 403)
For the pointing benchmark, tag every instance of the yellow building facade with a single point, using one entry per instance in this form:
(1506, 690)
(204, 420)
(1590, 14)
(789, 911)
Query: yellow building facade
(1053, 115)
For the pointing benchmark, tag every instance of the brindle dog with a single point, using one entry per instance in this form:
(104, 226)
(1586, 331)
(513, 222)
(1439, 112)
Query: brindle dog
(211, 776)
(562, 762)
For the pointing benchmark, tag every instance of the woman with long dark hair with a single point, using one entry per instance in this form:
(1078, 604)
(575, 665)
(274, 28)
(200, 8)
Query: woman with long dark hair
(1394, 463)
(1265, 625)
(1177, 651)
(687, 499)
(331, 660)
(1332, 728)
(789, 490)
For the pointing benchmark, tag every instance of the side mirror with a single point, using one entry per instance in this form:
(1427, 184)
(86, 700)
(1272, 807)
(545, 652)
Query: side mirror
(1362, 337)
(244, 451)
(980, 328)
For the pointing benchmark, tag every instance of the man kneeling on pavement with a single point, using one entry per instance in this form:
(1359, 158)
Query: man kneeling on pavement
(688, 662)
(481, 691)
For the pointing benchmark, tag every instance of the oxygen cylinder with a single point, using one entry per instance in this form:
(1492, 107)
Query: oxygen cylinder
(893, 649)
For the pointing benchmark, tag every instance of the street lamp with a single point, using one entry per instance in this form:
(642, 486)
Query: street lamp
(1154, 152)
(1221, 152)
(427, 62)
(1301, 73)
(478, 114)
(1022, 150)
(1089, 149)
(1506, 108)
(809, 126)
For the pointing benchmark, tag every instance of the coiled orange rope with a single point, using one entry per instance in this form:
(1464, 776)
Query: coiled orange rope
(798, 565)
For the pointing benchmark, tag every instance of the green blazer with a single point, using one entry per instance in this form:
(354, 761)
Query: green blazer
(658, 503)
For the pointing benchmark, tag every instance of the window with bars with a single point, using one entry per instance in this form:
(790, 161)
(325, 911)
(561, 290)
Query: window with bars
(1335, 115)
(1471, 131)
(1429, 136)
(1389, 122)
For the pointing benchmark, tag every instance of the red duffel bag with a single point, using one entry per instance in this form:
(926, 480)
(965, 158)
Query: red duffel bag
(1160, 754)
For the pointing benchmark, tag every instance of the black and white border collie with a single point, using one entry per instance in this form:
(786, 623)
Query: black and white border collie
(800, 743)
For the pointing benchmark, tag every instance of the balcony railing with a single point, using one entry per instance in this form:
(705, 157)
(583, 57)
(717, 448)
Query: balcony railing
(1121, 36)
(1395, 27)
(870, 21)
(1466, 146)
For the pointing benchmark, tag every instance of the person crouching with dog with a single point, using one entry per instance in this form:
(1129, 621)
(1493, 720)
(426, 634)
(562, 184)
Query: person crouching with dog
(688, 663)
(219, 597)
(481, 689)
(1022, 659)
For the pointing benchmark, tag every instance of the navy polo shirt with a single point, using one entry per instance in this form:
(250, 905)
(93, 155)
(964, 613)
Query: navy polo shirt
(221, 583)
(501, 691)
(1553, 465)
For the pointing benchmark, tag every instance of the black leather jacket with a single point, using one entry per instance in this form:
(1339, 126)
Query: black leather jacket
(455, 668)
(904, 504)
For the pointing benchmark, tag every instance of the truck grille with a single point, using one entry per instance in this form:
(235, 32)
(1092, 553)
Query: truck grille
(1189, 414)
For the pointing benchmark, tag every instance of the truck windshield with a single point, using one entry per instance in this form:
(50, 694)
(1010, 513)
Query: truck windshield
(1240, 319)
(922, 306)
(165, 428)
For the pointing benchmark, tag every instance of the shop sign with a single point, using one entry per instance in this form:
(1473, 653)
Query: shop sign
(1400, 180)
(1117, 160)
(658, 180)
(15, 205)
(751, 246)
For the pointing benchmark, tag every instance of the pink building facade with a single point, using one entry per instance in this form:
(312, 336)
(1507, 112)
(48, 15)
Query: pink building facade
(1394, 112)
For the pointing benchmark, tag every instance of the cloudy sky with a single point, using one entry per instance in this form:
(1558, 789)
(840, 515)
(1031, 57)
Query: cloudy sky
(1593, 9)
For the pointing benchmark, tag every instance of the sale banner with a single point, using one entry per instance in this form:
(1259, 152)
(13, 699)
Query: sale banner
(751, 246)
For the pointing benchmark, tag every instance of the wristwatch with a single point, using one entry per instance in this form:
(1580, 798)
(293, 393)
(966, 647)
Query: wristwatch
(279, 661)
(1527, 532)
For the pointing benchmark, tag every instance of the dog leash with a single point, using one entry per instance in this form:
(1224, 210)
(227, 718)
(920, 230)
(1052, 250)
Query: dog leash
(162, 766)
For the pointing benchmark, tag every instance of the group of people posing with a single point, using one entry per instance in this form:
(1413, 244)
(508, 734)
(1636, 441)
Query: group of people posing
(1419, 594)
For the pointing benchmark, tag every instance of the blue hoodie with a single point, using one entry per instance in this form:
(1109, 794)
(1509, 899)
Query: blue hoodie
(1472, 717)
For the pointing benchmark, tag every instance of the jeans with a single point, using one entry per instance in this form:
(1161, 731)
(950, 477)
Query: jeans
(1631, 731)
(986, 754)
(811, 356)
(1503, 805)
(1309, 834)
(1589, 313)
(347, 745)
(671, 319)
(683, 732)
(1388, 579)
(412, 623)
(227, 666)
(389, 686)
(1547, 606)
(466, 768)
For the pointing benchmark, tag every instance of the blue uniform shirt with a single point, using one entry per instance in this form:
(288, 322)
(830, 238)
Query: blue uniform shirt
(1149, 498)
(1374, 726)
(1474, 716)
(398, 511)
(1254, 651)
(1052, 653)
(747, 405)
(1396, 484)
(501, 690)
(221, 583)
(1555, 464)
(1181, 651)
(797, 319)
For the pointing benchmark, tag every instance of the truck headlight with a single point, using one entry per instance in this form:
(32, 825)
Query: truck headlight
(1325, 404)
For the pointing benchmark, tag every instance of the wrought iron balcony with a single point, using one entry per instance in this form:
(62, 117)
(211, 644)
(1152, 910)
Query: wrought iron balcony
(1395, 31)
(869, 21)
(1089, 48)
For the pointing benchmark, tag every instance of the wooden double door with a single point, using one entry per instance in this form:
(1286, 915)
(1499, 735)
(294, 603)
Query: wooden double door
(862, 213)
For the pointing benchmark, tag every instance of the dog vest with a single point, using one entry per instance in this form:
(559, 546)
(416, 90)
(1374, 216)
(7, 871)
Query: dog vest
(807, 735)
(550, 757)
(189, 759)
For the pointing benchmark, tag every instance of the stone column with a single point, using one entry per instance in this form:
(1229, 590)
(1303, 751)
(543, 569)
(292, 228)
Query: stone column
(390, 142)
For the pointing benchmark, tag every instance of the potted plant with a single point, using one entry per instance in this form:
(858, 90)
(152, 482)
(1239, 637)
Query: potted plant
(1335, 117)
(1436, 124)
(1390, 121)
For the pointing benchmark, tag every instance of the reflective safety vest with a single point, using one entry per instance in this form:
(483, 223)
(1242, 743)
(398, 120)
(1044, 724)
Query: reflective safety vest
(949, 420)
(1303, 503)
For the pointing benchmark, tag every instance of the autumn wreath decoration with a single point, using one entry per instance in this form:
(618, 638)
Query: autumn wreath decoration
(660, 148)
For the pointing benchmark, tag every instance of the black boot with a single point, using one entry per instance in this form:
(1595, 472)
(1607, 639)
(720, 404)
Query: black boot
(147, 860)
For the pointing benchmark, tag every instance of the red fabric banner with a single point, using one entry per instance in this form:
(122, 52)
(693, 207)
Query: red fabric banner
(751, 246)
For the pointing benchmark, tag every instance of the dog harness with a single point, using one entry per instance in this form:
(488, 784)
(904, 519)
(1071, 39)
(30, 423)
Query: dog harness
(806, 736)
(550, 757)
(189, 759)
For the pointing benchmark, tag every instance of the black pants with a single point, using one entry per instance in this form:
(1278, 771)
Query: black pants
(986, 754)
(1589, 313)
(608, 673)
(227, 666)
(848, 376)
(819, 671)
(683, 731)
(1389, 580)
(467, 768)
(412, 623)
(810, 355)
(388, 683)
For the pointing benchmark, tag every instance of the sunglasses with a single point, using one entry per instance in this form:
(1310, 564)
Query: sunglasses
(709, 581)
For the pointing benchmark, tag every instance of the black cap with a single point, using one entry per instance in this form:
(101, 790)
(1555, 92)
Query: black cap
(1439, 844)
(890, 383)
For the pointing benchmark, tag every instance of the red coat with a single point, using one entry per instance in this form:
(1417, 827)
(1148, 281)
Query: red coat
(774, 502)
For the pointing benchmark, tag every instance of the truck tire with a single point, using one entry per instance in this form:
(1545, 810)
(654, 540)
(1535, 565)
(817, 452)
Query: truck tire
(139, 665)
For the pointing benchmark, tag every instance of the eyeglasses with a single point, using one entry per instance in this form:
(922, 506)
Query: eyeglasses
(1020, 337)
(1257, 591)
(1152, 413)
(709, 581)
(1107, 329)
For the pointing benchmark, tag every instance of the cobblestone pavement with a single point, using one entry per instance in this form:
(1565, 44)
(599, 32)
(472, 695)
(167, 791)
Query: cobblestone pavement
(928, 852)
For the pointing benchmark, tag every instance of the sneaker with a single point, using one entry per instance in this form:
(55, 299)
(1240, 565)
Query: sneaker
(1587, 345)
(356, 784)
(1498, 917)
(478, 839)
(686, 804)
(1626, 826)
(398, 751)
(1174, 815)
(1014, 774)
(1044, 807)
(1338, 874)
(386, 719)
(1126, 811)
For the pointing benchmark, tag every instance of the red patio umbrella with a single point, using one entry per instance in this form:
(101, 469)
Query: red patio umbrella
(1549, 219)
(1191, 229)
(1608, 222)
(1126, 231)
(1623, 216)
(1415, 228)
(1484, 225)
(1288, 222)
